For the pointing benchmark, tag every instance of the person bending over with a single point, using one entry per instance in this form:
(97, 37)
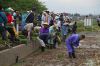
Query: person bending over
(71, 42)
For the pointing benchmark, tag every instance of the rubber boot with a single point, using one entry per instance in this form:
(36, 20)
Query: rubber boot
(42, 49)
(70, 55)
(73, 54)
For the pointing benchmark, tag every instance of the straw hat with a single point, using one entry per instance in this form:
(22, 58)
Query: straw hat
(45, 23)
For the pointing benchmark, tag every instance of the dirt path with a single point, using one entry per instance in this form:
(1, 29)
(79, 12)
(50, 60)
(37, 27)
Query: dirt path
(88, 54)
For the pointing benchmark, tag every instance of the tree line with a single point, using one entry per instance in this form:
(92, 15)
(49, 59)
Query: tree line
(24, 5)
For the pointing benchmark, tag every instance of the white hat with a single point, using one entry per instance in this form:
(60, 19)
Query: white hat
(11, 9)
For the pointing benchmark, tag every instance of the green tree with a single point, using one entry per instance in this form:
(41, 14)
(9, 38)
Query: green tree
(23, 5)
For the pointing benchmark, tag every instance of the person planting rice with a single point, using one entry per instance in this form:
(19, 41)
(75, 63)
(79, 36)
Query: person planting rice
(71, 42)
(53, 35)
(3, 22)
(74, 28)
(10, 25)
(44, 34)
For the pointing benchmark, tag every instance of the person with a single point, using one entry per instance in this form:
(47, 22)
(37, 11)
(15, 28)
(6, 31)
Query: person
(98, 21)
(29, 24)
(30, 17)
(45, 17)
(44, 34)
(3, 21)
(24, 15)
(74, 27)
(52, 19)
(15, 16)
(71, 42)
(39, 19)
(48, 17)
(53, 35)
(28, 28)
(10, 25)
(59, 25)
(64, 29)
(61, 19)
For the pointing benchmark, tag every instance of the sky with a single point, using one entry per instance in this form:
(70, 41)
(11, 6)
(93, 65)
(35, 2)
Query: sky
(73, 6)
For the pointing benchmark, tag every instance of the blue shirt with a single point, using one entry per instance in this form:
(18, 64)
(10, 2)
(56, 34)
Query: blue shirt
(3, 18)
(72, 41)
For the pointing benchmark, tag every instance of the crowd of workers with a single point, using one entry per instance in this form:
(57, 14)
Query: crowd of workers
(53, 28)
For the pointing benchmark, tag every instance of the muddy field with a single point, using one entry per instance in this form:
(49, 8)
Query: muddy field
(88, 54)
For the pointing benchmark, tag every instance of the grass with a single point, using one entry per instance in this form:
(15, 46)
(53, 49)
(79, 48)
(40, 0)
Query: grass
(93, 28)
(18, 64)
(61, 56)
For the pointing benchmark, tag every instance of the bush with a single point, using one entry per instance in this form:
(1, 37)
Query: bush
(22, 37)
(23, 41)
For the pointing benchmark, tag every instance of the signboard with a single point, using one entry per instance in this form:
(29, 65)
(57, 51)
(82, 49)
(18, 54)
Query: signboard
(87, 22)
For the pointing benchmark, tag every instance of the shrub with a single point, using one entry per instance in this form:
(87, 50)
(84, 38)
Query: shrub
(23, 41)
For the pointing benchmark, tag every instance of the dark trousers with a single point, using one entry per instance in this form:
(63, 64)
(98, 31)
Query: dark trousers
(72, 55)
(54, 42)
(42, 48)
(25, 32)
(44, 38)
(64, 38)
(3, 34)
(99, 24)
(74, 31)
(12, 34)
(15, 23)
(59, 29)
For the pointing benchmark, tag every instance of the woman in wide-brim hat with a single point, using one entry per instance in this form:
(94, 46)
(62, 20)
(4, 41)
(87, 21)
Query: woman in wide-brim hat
(10, 25)
(3, 21)
(45, 24)
(44, 34)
